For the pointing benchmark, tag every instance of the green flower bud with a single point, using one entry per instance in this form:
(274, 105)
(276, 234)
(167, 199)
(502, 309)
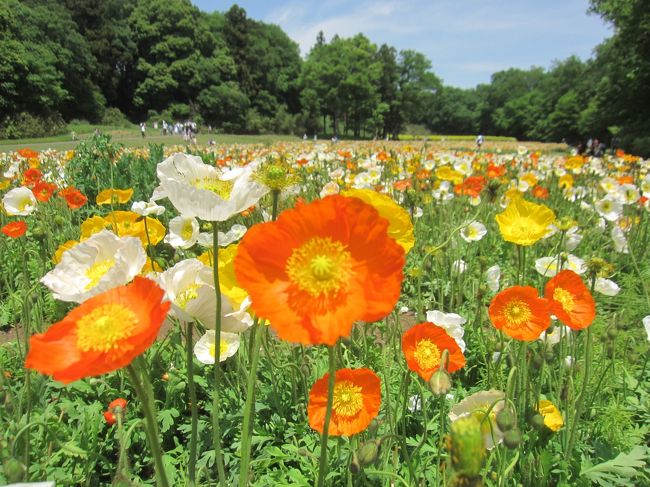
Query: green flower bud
(512, 438)
(467, 450)
(505, 419)
(440, 382)
(13, 469)
(368, 453)
(537, 421)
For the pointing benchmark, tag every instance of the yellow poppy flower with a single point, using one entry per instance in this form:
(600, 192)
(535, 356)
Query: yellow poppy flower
(523, 222)
(227, 280)
(92, 225)
(400, 227)
(56, 258)
(552, 416)
(114, 195)
(530, 178)
(565, 181)
(125, 224)
(446, 173)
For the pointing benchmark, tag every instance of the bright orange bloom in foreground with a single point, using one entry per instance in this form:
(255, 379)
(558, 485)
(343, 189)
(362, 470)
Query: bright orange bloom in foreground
(319, 268)
(570, 300)
(15, 229)
(423, 346)
(356, 401)
(73, 197)
(43, 191)
(520, 313)
(471, 186)
(101, 335)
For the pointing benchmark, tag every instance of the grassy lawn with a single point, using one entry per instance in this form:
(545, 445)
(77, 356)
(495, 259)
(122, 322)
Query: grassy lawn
(131, 137)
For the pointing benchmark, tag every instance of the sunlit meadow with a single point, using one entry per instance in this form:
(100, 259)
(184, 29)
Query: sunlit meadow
(344, 314)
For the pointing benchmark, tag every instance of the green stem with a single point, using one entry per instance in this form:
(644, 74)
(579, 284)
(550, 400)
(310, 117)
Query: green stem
(193, 406)
(216, 427)
(581, 398)
(322, 463)
(254, 354)
(142, 386)
(249, 408)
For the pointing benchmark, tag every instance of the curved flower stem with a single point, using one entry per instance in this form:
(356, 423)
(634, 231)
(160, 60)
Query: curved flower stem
(193, 406)
(150, 250)
(322, 463)
(581, 398)
(216, 428)
(142, 386)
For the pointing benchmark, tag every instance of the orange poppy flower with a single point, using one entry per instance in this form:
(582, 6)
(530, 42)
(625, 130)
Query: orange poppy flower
(15, 229)
(471, 186)
(495, 171)
(520, 313)
(319, 268)
(103, 334)
(570, 300)
(402, 185)
(31, 176)
(356, 401)
(43, 191)
(109, 415)
(27, 153)
(540, 192)
(73, 197)
(423, 346)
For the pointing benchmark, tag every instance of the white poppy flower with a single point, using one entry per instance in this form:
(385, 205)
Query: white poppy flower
(236, 232)
(646, 325)
(554, 337)
(183, 232)
(452, 323)
(97, 264)
(547, 266)
(478, 403)
(606, 287)
(493, 276)
(203, 191)
(473, 232)
(458, 266)
(620, 242)
(609, 208)
(147, 208)
(205, 349)
(572, 239)
(19, 202)
(418, 212)
(330, 188)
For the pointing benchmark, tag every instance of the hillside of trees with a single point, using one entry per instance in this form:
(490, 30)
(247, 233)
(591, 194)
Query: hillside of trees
(109, 61)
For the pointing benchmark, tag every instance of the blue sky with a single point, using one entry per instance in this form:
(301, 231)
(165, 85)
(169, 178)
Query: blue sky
(466, 40)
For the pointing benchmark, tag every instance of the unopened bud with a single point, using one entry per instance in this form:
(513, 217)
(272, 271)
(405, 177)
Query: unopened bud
(512, 438)
(505, 419)
(368, 453)
(537, 421)
(13, 469)
(440, 382)
(467, 450)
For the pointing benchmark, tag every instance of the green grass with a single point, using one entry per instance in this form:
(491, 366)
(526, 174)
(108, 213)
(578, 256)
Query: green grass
(130, 137)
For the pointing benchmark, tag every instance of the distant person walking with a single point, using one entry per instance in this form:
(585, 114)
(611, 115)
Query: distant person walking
(143, 129)
(479, 142)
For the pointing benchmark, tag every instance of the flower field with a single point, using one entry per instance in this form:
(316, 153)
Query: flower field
(341, 314)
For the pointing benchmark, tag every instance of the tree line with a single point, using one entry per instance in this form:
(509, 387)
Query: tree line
(145, 59)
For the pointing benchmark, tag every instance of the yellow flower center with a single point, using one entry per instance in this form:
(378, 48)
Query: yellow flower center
(565, 298)
(96, 271)
(347, 400)
(103, 328)
(427, 354)
(470, 232)
(516, 313)
(320, 266)
(24, 203)
(187, 295)
(216, 185)
(187, 230)
(223, 348)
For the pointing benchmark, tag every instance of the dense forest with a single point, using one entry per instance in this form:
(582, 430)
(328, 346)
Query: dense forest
(118, 60)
